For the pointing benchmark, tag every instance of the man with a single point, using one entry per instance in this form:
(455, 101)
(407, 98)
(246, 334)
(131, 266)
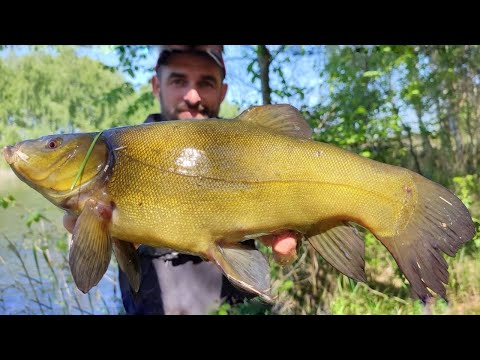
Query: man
(189, 84)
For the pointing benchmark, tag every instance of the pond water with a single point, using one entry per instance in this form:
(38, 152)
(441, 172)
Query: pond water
(34, 273)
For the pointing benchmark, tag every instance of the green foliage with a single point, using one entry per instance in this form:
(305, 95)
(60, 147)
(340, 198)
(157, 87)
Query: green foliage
(363, 300)
(466, 188)
(130, 57)
(43, 93)
(247, 307)
(138, 110)
(228, 111)
(7, 201)
(35, 217)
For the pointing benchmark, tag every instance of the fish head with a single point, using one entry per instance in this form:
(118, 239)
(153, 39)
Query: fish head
(50, 164)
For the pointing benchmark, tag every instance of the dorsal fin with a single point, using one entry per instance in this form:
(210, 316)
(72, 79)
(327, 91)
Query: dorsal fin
(282, 117)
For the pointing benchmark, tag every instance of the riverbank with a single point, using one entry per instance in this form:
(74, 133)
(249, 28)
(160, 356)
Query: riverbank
(34, 272)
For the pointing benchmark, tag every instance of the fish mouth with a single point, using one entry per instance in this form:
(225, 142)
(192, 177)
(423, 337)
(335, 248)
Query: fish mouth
(12, 154)
(9, 154)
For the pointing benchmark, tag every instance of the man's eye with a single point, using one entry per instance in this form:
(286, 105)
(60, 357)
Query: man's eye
(178, 82)
(207, 84)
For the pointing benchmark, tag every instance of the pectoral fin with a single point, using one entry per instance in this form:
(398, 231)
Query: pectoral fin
(245, 267)
(127, 258)
(91, 246)
(341, 245)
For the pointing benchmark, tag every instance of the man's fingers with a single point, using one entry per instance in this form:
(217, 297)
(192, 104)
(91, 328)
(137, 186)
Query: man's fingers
(282, 243)
(284, 246)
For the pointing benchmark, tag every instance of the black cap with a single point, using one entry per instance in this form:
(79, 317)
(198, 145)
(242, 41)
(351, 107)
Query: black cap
(213, 51)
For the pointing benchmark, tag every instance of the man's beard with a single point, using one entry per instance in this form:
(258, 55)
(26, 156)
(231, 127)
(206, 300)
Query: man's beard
(205, 112)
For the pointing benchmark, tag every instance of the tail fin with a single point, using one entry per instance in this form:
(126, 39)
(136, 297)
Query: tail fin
(439, 223)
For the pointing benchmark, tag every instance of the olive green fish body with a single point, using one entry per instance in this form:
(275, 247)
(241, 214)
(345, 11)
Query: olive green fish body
(226, 180)
(202, 187)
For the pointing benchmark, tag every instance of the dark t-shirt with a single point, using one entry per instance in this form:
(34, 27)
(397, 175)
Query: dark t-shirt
(175, 283)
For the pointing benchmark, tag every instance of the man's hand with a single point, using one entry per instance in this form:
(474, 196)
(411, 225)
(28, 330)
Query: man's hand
(284, 245)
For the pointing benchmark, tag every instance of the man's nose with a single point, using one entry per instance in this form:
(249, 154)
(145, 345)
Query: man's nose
(192, 97)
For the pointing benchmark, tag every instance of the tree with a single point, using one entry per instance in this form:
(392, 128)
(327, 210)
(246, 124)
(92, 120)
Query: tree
(45, 92)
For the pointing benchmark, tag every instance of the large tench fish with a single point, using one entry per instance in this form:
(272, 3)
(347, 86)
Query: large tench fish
(203, 187)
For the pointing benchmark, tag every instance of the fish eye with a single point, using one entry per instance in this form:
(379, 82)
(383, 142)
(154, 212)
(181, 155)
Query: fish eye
(53, 143)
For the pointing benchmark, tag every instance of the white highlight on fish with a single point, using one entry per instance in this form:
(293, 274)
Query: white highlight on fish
(449, 203)
(189, 158)
(22, 155)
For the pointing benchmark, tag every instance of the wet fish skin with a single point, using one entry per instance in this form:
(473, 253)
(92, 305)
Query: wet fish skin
(202, 187)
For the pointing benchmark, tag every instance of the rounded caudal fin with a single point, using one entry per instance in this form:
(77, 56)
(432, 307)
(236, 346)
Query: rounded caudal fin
(439, 223)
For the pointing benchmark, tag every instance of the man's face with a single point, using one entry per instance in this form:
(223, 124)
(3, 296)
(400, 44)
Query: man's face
(189, 87)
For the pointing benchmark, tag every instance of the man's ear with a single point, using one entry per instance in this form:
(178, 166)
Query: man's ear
(223, 91)
(156, 87)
